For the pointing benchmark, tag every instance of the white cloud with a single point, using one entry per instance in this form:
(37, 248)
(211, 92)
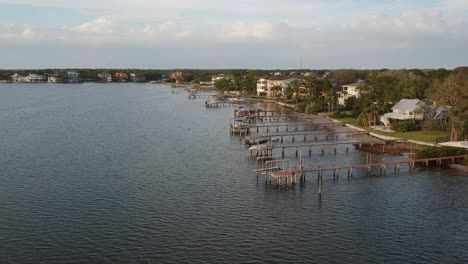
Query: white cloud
(100, 25)
(251, 30)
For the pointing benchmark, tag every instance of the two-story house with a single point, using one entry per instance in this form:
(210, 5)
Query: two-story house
(405, 109)
(274, 85)
(349, 90)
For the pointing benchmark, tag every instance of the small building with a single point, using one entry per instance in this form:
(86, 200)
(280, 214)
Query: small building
(405, 109)
(52, 79)
(73, 77)
(121, 76)
(349, 90)
(105, 77)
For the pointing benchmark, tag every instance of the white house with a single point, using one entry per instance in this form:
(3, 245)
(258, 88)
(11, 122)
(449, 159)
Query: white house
(35, 78)
(17, 78)
(217, 78)
(349, 90)
(262, 86)
(267, 85)
(105, 77)
(52, 79)
(405, 109)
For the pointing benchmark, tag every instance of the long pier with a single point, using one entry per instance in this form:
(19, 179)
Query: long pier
(267, 128)
(290, 172)
(314, 136)
(268, 149)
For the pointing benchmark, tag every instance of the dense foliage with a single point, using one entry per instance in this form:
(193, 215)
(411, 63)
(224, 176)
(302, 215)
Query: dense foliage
(434, 152)
(406, 126)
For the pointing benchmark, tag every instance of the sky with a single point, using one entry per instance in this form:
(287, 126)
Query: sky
(224, 34)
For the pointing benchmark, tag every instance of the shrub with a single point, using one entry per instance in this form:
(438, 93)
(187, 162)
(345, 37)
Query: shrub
(363, 119)
(406, 126)
(434, 152)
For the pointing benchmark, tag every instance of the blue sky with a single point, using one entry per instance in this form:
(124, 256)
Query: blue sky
(263, 34)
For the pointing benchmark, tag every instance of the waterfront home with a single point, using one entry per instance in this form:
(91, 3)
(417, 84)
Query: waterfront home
(349, 90)
(52, 79)
(105, 77)
(177, 76)
(73, 77)
(405, 109)
(121, 76)
(34, 78)
(273, 86)
(439, 113)
(18, 78)
(216, 78)
(262, 86)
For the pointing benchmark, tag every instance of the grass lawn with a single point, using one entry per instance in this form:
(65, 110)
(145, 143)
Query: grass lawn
(428, 136)
(349, 120)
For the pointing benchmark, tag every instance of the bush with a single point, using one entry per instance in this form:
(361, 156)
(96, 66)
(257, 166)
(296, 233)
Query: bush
(434, 152)
(312, 108)
(406, 126)
(432, 124)
(363, 119)
(337, 114)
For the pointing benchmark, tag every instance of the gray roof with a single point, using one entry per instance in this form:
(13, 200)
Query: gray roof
(408, 104)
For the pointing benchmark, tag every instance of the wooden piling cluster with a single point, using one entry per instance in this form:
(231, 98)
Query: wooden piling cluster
(279, 172)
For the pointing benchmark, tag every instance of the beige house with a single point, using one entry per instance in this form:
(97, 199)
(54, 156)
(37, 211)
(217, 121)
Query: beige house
(273, 86)
(349, 90)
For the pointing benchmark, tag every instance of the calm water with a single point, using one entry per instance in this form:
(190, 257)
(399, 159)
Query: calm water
(127, 173)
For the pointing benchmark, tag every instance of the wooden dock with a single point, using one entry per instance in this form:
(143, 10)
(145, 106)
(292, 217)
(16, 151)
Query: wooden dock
(273, 170)
(295, 126)
(268, 150)
(194, 95)
(315, 136)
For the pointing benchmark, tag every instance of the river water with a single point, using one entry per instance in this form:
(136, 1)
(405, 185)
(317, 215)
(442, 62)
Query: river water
(133, 173)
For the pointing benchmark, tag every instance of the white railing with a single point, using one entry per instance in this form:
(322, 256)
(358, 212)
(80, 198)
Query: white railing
(403, 116)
